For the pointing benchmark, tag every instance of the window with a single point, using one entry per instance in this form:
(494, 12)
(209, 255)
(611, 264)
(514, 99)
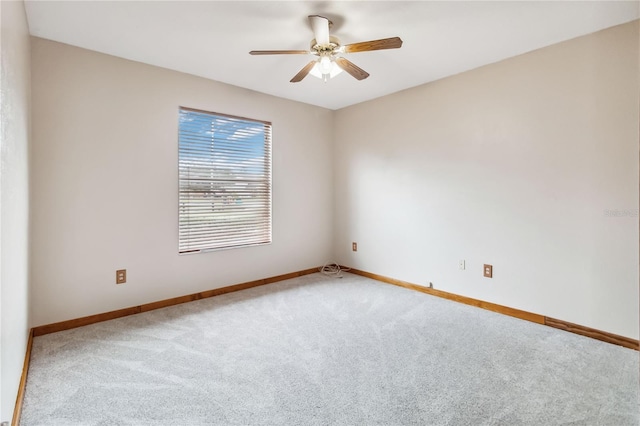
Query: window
(225, 181)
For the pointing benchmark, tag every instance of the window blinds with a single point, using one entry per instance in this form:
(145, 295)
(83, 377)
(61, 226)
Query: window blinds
(225, 181)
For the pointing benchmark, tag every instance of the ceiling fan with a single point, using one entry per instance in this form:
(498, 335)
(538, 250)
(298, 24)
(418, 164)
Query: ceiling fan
(329, 50)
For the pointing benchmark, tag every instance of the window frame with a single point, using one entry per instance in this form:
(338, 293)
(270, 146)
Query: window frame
(267, 146)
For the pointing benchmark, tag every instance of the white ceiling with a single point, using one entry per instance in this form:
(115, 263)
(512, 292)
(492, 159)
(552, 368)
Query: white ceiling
(212, 38)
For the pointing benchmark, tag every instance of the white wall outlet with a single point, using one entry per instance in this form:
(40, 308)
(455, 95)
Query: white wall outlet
(461, 265)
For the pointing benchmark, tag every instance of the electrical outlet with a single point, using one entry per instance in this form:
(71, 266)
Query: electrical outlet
(121, 276)
(488, 271)
(354, 246)
(461, 265)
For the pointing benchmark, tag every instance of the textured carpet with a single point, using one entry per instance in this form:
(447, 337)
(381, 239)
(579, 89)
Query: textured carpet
(324, 351)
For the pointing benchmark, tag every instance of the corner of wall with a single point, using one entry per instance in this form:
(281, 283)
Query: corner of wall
(15, 85)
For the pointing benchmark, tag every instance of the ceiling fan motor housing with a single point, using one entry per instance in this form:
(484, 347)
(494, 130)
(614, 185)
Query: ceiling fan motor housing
(334, 44)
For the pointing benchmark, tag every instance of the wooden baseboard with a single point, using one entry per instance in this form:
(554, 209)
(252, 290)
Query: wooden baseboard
(92, 319)
(592, 332)
(517, 313)
(23, 382)
(539, 319)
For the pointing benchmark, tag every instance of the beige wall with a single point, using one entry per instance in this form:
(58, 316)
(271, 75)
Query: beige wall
(105, 184)
(514, 164)
(14, 200)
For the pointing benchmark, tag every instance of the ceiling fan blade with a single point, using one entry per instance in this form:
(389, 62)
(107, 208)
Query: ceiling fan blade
(364, 46)
(303, 72)
(352, 68)
(278, 52)
(320, 26)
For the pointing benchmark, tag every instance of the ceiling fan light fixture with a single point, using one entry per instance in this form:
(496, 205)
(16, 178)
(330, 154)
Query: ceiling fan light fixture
(325, 69)
(325, 65)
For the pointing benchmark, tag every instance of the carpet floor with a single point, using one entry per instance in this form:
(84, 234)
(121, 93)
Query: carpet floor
(326, 351)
